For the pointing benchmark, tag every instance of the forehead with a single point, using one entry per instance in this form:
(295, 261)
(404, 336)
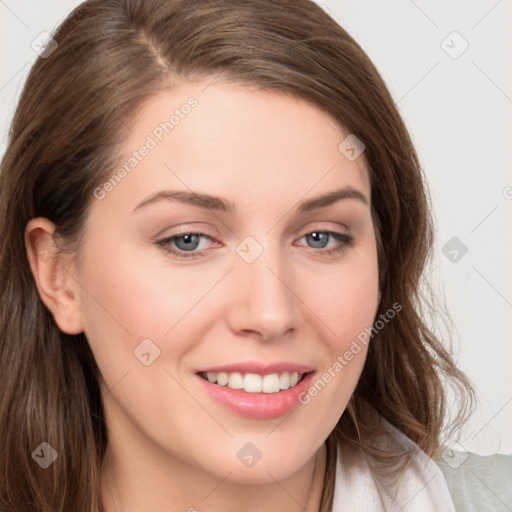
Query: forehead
(211, 137)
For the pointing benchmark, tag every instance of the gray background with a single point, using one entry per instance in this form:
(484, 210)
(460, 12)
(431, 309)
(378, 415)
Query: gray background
(457, 106)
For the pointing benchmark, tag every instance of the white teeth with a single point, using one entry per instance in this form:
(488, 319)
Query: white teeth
(271, 383)
(254, 383)
(236, 381)
(222, 378)
(284, 380)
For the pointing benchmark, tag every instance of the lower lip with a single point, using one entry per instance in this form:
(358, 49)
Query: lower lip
(263, 406)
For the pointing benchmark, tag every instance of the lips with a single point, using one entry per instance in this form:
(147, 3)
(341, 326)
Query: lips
(257, 390)
(259, 368)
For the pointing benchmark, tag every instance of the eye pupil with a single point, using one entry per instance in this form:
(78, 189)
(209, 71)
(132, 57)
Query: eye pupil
(317, 237)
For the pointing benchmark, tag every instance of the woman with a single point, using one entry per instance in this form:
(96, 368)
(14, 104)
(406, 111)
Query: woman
(215, 225)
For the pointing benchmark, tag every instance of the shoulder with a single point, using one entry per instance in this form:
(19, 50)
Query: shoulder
(420, 487)
(478, 482)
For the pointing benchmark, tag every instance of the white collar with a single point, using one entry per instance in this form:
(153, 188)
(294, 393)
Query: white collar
(421, 488)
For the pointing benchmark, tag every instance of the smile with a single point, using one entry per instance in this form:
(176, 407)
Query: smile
(257, 390)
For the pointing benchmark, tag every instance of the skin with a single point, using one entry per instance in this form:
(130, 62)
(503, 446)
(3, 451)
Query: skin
(171, 446)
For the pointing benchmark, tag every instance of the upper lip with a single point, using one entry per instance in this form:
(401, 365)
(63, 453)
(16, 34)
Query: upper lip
(259, 368)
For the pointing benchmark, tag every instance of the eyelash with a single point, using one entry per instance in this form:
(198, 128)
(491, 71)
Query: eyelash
(346, 240)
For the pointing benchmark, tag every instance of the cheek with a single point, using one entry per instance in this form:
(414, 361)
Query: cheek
(123, 303)
(346, 302)
(346, 298)
(347, 309)
(134, 296)
(138, 298)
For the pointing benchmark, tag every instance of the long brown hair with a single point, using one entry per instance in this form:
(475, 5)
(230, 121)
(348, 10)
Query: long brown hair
(75, 112)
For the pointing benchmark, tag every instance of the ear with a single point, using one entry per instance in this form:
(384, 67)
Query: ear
(57, 287)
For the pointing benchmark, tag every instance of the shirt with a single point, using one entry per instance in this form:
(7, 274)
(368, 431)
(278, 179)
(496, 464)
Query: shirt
(420, 488)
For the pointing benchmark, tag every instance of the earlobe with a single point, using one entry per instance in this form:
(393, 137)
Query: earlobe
(57, 287)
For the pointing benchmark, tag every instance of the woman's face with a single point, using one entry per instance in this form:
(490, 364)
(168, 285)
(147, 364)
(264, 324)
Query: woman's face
(264, 281)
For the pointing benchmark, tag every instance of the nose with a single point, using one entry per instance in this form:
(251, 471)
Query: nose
(264, 302)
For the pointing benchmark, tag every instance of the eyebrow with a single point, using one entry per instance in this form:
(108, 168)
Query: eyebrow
(222, 205)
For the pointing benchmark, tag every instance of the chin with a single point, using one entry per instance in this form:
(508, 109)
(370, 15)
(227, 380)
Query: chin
(238, 467)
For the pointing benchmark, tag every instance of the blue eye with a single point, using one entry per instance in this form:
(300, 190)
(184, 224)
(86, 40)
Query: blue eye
(319, 237)
(190, 241)
(185, 245)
